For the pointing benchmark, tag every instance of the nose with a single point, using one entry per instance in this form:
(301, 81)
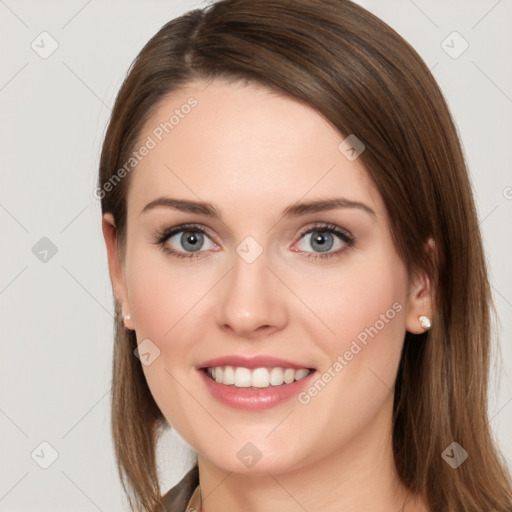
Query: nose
(251, 301)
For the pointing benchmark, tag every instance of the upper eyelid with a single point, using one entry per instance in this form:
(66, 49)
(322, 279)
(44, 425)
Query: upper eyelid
(187, 227)
(326, 225)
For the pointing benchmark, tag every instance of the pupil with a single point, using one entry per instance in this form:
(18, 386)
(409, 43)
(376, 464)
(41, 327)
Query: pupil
(323, 239)
(191, 241)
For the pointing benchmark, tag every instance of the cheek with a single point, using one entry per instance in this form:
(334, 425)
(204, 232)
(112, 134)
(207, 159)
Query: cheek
(359, 301)
(373, 310)
(366, 310)
(161, 293)
(164, 302)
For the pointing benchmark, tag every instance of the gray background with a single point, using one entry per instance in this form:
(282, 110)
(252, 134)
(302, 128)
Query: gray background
(56, 315)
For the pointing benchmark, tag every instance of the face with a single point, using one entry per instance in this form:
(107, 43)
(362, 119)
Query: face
(283, 264)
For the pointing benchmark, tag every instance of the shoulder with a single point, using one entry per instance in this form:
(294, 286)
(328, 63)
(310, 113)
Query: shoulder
(176, 499)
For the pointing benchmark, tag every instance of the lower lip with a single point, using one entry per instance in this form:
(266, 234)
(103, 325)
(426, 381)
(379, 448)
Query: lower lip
(253, 399)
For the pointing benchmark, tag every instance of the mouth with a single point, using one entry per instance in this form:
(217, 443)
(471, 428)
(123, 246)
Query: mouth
(254, 383)
(255, 378)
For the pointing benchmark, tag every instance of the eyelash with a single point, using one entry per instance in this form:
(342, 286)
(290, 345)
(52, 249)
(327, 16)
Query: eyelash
(163, 235)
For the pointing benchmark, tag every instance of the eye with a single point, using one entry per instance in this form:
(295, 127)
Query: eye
(184, 241)
(323, 238)
(190, 240)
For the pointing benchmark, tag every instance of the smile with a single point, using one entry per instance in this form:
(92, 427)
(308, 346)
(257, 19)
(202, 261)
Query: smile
(240, 377)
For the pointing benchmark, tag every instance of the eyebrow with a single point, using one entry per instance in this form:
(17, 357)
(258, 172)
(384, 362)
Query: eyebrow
(292, 211)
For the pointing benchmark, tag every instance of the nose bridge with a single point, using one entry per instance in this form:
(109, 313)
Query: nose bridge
(251, 298)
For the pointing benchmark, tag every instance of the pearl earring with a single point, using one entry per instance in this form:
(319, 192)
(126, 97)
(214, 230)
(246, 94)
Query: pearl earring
(127, 317)
(424, 321)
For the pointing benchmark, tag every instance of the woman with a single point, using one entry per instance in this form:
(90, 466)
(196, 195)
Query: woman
(298, 271)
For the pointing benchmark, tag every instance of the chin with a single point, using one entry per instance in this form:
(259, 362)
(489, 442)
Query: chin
(252, 459)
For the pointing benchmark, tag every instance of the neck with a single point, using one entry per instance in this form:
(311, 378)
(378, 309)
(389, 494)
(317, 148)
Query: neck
(360, 475)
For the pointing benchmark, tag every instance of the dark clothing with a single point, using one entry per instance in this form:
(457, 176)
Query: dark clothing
(177, 498)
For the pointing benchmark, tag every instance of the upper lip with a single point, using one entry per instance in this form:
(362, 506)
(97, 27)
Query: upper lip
(261, 361)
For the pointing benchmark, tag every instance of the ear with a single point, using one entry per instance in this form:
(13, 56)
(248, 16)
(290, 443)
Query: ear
(115, 267)
(420, 300)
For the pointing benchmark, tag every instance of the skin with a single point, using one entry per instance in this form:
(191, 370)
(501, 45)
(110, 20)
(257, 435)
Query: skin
(252, 153)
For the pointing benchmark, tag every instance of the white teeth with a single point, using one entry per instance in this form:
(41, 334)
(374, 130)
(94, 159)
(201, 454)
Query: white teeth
(300, 374)
(289, 375)
(242, 378)
(229, 375)
(259, 377)
(276, 376)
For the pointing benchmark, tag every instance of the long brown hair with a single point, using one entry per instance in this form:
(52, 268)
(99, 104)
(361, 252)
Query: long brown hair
(365, 80)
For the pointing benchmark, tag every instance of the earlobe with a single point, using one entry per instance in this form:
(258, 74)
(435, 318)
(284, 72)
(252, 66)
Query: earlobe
(127, 322)
(419, 310)
(424, 322)
(115, 266)
(419, 306)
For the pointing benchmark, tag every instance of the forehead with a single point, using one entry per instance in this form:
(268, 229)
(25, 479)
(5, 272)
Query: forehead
(245, 148)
